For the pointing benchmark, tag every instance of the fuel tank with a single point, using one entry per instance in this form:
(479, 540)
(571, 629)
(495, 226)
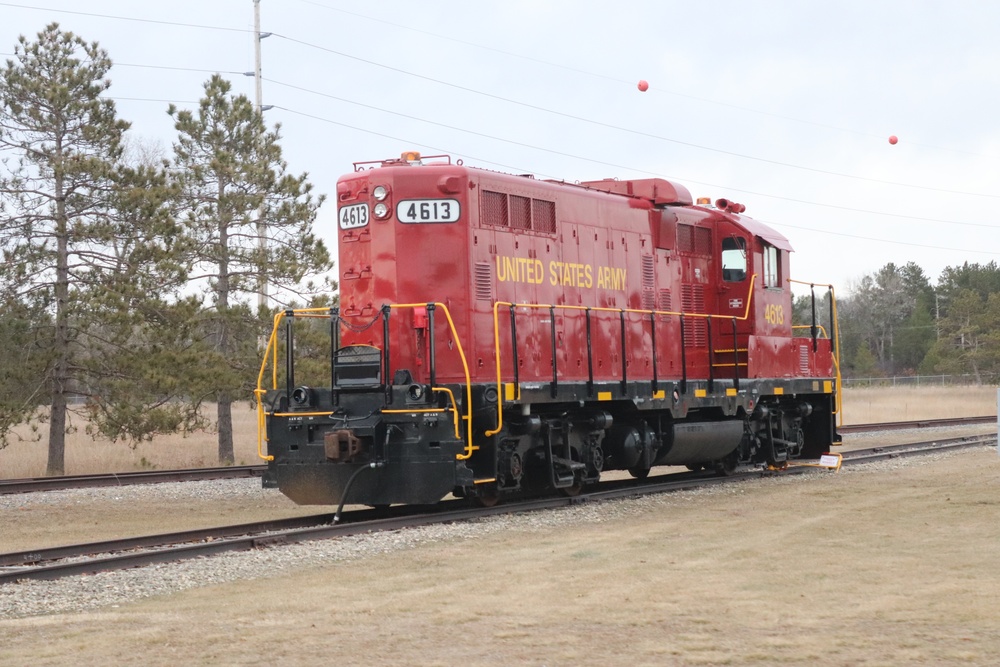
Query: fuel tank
(700, 442)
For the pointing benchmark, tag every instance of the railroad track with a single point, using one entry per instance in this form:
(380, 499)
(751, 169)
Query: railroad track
(236, 472)
(917, 424)
(57, 562)
(30, 484)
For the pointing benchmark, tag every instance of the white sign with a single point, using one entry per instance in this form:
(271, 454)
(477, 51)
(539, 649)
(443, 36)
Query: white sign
(428, 210)
(353, 216)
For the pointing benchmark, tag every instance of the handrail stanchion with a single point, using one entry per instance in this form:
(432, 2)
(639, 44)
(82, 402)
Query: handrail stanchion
(334, 346)
(652, 333)
(590, 356)
(513, 349)
(684, 365)
(432, 345)
(813, 331)
(736, 359)
(555, 359)
(289, 354)
(621, 315)
(711, 356)
(386, 380)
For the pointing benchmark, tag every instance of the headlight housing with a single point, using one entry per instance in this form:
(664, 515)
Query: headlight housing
(380, 192)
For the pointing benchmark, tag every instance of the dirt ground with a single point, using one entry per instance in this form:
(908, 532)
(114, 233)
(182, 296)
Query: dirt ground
(869, 566)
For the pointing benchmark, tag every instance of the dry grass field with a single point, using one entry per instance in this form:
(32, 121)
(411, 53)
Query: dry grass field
(86, 455)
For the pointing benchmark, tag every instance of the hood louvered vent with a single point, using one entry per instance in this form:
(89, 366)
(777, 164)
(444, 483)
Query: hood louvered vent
(695, 329)
(648, 282)
(484, 281)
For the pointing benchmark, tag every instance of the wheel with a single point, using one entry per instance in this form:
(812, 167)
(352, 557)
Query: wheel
(727, 466)
(572, 491)
(488, 499)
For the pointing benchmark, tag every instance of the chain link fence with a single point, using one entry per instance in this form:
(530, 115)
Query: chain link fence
(988, 379)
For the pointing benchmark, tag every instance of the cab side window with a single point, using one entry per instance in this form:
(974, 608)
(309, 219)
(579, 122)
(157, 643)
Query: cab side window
(734, 259)
(772, 266)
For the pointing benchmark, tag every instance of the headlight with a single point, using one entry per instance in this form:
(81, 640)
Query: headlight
(380, 193)
(381, 210)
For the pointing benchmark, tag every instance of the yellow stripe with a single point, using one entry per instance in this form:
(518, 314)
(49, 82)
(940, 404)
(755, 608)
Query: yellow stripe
(604, 395)
(508, 391)
(485, 481)
(779, 391)
(660, 394)
(827, 387)
(700, 393)
(730, 391)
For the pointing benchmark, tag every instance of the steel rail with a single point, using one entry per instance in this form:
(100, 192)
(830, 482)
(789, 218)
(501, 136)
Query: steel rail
(917, 424)
(17, 566)
(32, 484)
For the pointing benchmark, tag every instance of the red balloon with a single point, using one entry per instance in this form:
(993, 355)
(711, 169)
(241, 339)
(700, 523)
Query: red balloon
(893, 140)
(643, 86)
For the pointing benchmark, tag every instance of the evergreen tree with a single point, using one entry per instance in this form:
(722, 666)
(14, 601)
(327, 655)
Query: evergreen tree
(87, 241)
(23, 365)
(229, 169)
(983, 279)
(970, 336)
(890, 313)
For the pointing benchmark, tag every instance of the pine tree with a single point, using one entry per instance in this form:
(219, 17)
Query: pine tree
(88, 243)
(229, 170)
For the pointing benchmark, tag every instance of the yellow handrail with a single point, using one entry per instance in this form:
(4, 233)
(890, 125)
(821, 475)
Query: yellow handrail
(836, 347)
(809, 326)
(453, 409)
(469, 445)
(271, 352)
(496, 332)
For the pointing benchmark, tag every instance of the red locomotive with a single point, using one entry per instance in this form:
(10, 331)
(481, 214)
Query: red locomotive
(499, 334)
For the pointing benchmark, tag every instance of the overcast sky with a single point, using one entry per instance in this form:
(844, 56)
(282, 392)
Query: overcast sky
(782, 105)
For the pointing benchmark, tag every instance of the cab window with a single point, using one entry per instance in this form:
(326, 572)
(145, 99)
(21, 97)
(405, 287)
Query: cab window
(734, 259)
(772, 266)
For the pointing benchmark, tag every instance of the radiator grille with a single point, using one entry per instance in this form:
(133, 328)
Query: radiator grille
(498, 209)
(694, 240)
(543, 215)
(493, 209)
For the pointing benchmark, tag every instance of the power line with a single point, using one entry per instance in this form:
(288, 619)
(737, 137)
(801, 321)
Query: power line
(872, 238)
(640, 133)
(612, 164)
(516, 169)
(179, 69)
(612, 126)
(124, 18)
(630, 83)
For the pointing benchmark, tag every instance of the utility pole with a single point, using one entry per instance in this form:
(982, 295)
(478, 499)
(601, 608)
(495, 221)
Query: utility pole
(262, 300)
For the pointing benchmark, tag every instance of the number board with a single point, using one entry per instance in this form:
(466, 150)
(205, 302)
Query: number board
(353, 216)
(420, 211)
